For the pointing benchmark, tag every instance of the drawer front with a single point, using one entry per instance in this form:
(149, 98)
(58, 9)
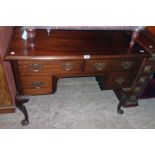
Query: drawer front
(97, 65)
(111, 65)
(119, 80)
(125, 64)
(42, 91)
(33, 85)
(50, 67)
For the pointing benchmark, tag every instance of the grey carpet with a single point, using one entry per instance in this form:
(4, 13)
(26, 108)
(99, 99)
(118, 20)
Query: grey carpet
(79, 103)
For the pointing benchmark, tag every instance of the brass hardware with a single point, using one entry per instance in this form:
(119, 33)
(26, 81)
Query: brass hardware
(132, 98)
(137, 89)
(126, 64)
(127, 90)
(37, 85)
(142, 80)
(120, 80)
(99, 65)
(153, 57)
(147, 69)
(36, 67)
(67, 66)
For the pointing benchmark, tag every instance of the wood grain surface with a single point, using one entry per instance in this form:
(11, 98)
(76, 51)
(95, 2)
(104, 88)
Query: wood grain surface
(5, 97)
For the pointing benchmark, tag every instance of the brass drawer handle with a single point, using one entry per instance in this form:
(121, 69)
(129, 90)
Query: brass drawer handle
(132, 98)
(37, 85)
(36, 67)
(120, 80)
(99, 65)
(147, 69)
(67, 66)
(137, 89)
(126, 64)
(142, 80)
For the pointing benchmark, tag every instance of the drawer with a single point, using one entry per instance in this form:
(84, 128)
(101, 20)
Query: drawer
(111, 65)
(119, 80)
(41, 91)
(33, 85)
(97, 65)
(50, 67)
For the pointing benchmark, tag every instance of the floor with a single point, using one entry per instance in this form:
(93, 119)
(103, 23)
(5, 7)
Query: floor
(80, 104)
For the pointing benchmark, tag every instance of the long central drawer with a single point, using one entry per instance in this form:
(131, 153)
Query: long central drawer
(50, 67)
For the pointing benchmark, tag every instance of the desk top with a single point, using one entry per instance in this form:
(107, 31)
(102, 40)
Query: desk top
(73, 43)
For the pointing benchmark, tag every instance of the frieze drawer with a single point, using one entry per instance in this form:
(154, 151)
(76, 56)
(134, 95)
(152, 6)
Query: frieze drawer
(111, 65)
(50, 67)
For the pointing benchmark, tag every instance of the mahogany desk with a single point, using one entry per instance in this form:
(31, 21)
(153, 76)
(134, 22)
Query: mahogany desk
(71, 53)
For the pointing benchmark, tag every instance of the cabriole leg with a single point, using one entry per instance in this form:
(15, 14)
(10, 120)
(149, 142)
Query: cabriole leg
(119, 110)
(20, 105)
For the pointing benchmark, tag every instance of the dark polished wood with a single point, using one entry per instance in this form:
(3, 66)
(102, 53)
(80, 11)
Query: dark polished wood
(131, 101)
(17, 77)
(107, 55)
(20, 105)
(149, 34)
(65, 44)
